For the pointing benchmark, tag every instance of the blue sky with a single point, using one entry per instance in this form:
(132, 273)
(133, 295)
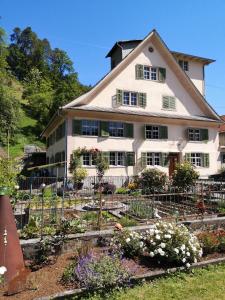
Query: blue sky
(86, 30)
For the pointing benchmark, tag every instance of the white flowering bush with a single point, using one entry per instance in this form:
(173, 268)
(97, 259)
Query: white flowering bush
(172, 243)
(164, 243)
(2, 272)
(127, 243)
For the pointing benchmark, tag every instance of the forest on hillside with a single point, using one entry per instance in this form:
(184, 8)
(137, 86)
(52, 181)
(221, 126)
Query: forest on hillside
(35, 80)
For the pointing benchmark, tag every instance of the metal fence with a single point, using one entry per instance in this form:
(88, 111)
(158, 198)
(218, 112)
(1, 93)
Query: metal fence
(60, 207)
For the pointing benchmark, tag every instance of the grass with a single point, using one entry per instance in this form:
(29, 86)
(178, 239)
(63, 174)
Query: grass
(26, 135)
(202, 284)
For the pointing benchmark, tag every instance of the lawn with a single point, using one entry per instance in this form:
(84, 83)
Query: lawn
(202, 284)
(26, 135)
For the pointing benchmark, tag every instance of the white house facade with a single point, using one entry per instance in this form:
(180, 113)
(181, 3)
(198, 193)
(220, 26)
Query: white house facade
(148, 111)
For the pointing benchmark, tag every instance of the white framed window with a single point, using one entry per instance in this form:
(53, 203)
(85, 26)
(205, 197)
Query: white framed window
(116, 129)
(130, 98)
(194, 134)
(86, 159)
(90, 127)
(196, 159)
(152, 132)
(116, 158)
(150, 73)
(184, 64)
(153, 159)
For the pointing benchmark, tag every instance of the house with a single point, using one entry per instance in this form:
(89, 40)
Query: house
(148, 111)
(222, 142)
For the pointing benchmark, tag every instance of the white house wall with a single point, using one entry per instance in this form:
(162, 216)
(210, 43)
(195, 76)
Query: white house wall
(126, 80)
(176, 142)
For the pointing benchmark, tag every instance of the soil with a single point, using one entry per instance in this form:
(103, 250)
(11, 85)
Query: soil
(47, 280)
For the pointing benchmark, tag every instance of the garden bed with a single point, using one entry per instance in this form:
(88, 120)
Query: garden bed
(47, 280)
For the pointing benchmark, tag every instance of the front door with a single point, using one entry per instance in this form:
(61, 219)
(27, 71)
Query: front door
(173, 160)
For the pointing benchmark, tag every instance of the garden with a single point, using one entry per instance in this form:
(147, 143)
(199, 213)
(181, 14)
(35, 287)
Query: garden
(91, 234)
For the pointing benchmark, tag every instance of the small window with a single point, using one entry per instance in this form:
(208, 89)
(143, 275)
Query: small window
(194, 134)
(86, 159)
(116, 129)
(223, 158)
(153, 159)
(116, 159)
(196, 159)
(184, 64)
(150, 73)
(130, 98)
(152, 132)
(90, 127)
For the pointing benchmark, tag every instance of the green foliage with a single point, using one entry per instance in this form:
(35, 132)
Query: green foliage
(79, 175)
(212, 241)
(102, 273)
(141, 209)
(8, 173)
(184, 175)
(127, 222)
(122, 191)
(152, 180)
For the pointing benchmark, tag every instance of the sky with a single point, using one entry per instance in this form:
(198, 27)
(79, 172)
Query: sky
(87, 30)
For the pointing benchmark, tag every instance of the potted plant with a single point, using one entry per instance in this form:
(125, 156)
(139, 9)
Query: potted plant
(79, 175)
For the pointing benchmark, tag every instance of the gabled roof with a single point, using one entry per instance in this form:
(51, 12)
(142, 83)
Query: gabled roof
(204, 60)
(222, 126)
(186, 81)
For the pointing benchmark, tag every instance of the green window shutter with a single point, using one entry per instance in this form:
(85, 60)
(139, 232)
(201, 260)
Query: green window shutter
(204, 134)
(106, 156)
(187, 157)
(172, 103)
(142, 99)
(164, 159)
(129, 130)
(130, 158)
(143, 159)
(187, 134)
(119, 97)
(166, 102)
(205, 160)
(139, 70)
(144, 132)
(77, 127)
(104, 128)
(162, 74)
(163, 132)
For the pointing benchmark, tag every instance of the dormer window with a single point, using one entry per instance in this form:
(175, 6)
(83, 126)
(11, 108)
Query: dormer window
(129, 98)
(184, 64)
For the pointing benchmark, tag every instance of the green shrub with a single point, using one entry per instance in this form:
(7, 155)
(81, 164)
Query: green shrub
(152, 180)
(184, 175)
(100, 273)
(122, 191)
(126, 222)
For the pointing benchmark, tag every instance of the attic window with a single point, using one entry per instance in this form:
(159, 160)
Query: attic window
(184, 64)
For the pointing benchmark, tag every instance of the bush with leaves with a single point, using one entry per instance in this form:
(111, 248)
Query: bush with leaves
(184, 176)
(100, 273)
(171, 243)
(8, 174)
(152, 180)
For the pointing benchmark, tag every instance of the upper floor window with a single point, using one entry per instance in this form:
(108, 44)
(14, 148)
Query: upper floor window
(156, 132)
(150, 73)
(184, 64)
(60, 131)
(116, 129)
(152, 132)
(198, 134)
(168, 103)
(130, 98)
(90, 127)
(194, 134)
